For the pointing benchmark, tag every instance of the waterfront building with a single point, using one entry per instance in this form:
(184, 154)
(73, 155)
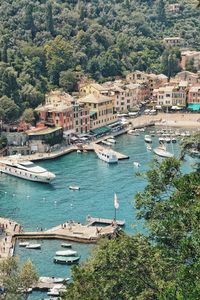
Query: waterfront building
(57, 110)
(194, 97)
(81, 117)
(42, 138)
(61, 109)
(169, 96)
(101, 109)
(190, 56)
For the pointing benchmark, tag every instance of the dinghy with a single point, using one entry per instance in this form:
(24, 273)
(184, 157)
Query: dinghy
(33, 246)
(66, 259)
(66, 253)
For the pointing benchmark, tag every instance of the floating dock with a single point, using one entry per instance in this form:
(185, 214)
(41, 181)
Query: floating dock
(101, 221)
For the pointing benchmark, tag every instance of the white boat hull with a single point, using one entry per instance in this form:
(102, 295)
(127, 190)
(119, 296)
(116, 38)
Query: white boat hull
(163, 153)
(25, 174)
(110, 158)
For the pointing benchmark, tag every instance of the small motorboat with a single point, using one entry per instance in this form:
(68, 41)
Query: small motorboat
(106, 143)
(147, 138)
(78, 151)
(168, 140)
(33, 246)
(65, 245)
(74, 187)
(173, 140)
(23, 244)
(66, 253)
(149, 148)
(136, 164)
(110, 140)
(66, 259)
(161, 140)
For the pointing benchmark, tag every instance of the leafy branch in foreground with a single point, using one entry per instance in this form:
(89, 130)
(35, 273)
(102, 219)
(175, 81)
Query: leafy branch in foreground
(16, 281)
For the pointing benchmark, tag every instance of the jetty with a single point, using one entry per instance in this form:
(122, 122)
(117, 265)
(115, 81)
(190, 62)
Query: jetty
(101, 221)
(71, 231)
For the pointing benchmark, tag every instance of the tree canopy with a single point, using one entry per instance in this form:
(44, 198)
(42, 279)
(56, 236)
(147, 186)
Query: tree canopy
(41, 41)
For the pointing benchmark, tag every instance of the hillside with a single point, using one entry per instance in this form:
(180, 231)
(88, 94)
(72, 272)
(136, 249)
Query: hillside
(43, 43)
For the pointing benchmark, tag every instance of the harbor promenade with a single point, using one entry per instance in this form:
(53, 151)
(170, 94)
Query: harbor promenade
(8, 229)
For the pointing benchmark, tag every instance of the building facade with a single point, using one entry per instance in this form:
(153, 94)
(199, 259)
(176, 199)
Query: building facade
(173, 41)
(101, 109)
(194, 95)
(61, 109)
(187, 56)
(169, 96)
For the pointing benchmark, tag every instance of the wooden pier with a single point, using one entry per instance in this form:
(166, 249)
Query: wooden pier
(94, 221)
(71, 231)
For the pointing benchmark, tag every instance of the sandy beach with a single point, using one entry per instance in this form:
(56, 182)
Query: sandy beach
(185, 120)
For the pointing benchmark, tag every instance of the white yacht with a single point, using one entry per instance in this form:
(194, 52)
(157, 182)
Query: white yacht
(106, 155)
(161, 151)
(25, 169)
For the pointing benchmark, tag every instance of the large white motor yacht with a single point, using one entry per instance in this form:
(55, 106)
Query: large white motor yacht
(25, 169)
(106, 155)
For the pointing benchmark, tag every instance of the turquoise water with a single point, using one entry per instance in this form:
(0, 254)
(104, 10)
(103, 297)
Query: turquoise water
(38, 205)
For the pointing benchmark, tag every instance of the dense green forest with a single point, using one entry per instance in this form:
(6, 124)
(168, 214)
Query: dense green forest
(44, 42)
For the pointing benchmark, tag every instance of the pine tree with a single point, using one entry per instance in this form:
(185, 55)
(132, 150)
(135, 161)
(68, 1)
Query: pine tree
(4, 52)
(50, 25)
(161, 11)
(29, 21)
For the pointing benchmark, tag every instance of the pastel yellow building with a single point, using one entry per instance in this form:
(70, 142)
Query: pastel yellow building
(101, 109)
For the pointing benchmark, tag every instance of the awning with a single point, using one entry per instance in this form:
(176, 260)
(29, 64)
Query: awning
(194, 106)
(99, 131)
(93, 113)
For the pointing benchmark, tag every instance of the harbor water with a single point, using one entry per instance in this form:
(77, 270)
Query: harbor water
(37, 206)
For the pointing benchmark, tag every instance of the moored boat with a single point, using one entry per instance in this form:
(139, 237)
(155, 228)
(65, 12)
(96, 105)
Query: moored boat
(106, 143)
(74, 187)
(23, 244)
(149, 148)
(66, 245)
(106, 155)
(15, 166)
(136, 164)
(111, 140)
(33, 246)
(66, 259)
(162, 152)
(66, 253)
(147, 138)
